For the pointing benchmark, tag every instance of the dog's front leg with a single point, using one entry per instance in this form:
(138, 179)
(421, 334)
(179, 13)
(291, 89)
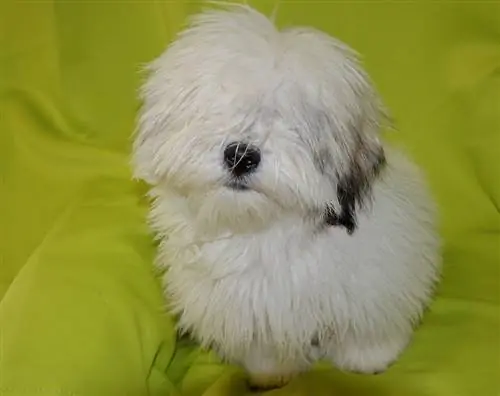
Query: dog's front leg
(367, 353)
(266, 371)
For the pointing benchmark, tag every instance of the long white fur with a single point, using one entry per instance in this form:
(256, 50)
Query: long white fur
(251, 273)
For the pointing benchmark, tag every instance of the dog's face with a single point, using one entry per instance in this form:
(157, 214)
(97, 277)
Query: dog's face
(249, 123)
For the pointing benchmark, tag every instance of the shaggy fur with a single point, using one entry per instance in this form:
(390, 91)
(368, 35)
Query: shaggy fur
(328, 248)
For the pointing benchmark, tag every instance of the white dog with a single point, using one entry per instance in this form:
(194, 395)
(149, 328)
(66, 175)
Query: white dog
(288, 232)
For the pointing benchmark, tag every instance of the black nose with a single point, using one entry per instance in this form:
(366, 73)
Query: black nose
(241, 158)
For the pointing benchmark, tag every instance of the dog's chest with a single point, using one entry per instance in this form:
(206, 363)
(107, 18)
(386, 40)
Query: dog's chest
(269, 283)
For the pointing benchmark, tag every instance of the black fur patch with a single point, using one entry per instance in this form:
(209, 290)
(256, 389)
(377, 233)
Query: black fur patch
(351, 192)
(345, 219)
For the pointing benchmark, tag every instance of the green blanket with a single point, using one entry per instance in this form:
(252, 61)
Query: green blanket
(81, 312)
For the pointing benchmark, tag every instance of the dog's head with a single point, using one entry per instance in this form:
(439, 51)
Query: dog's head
(249, 123)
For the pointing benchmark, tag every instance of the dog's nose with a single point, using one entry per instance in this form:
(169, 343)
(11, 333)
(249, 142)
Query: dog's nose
(241, 158)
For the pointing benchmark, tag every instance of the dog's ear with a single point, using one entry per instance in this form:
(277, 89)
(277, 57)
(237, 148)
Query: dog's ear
(355, 187)
(162, 101)
(366, 160)
(150, 123)
(145, 151)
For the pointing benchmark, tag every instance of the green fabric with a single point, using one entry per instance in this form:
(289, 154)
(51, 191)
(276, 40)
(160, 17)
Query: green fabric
(81, 310)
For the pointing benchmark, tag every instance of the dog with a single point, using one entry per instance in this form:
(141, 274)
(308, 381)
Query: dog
(289, 232)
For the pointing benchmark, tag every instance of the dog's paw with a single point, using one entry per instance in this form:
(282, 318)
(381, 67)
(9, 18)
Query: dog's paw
(367, 359)
(267, 371)
(269, 381)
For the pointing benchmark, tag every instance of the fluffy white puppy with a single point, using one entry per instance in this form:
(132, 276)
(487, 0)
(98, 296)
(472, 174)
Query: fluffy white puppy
(289, 234)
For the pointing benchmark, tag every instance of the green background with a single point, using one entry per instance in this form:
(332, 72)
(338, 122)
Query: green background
(80, 310)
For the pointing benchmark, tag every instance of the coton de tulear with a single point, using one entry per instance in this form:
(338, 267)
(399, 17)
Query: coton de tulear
(288, 231)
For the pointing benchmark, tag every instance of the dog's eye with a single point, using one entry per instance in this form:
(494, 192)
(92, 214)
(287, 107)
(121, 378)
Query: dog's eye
(315, 341)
